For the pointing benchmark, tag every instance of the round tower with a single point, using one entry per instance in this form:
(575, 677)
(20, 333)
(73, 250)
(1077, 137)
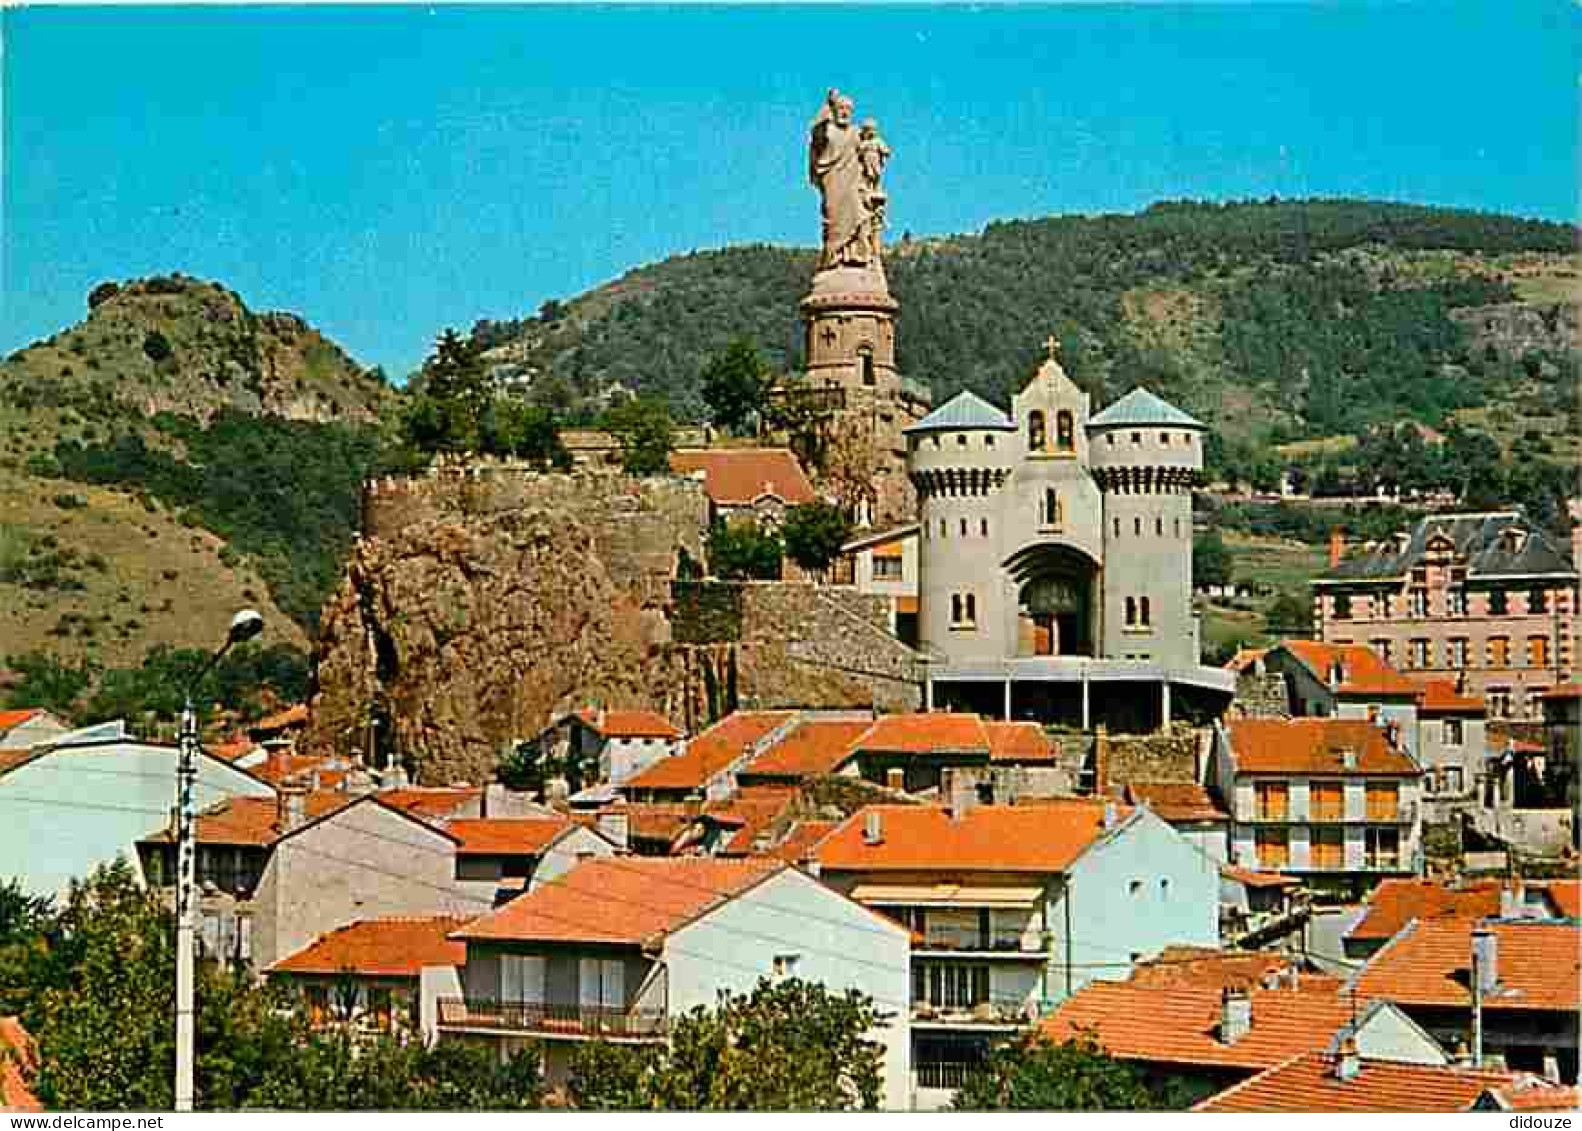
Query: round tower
(958, 458)
(1146, 456)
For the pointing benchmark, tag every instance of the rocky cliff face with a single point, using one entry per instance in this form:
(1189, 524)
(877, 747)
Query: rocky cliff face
(462, 632)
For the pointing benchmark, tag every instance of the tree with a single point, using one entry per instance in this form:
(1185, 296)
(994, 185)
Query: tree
(448, 414)
(786, 1046)
(1211, 560)
(513, 427)
(744, 552)
(735, 384)
(1289, 615)
(49, 683)
(646, 434)
(814, 534)
(1034, 1074)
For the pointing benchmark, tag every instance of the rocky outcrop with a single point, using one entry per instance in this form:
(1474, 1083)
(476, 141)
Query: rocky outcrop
(1515, 329)
(461, 633)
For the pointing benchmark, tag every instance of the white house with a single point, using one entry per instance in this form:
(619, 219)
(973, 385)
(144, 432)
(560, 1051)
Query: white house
(617, 948)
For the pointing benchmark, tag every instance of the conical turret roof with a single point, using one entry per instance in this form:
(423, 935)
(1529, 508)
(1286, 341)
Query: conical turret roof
(1140, 407)
(962, 412)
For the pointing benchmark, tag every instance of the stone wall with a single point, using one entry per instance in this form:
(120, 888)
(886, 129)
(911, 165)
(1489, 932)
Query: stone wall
(1261, 695)
(1169, 756)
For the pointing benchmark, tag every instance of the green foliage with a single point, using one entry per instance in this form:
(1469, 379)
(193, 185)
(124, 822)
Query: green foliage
(48, 682)
(786, 1046)
(1290, 614)
(156, 346)
(286, 492)
(743, 551)
(814, 533)
(103, 293)
(1033, 1074)
(1211, 560)
(646, 434)
(512, 427)
(735, 384)
(235, 684)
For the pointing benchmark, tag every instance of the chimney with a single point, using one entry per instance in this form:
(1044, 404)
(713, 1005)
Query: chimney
(1510, 902)
(492, 803)
(1337, 546)
(1111, 814)
(960, 794)
(1462, 1057)
(291, 805)
(1348, 757)
(873, 827)
(1348, 1062)
(1551, 1070)
(1485, 959)
(1235, 1020)
(616, 827)
(895, 778)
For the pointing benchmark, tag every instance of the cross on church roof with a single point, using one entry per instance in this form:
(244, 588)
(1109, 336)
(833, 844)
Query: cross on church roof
(1052, 344)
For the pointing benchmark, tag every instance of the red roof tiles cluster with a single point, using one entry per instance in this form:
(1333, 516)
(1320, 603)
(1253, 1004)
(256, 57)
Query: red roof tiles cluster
(1315, 746)
(1399, 900)
(1532, 1094)
(1207, 966)
(629, 724)
(254, 821)
(1179, 1023)
(1176, 801)
(1309, 1083)
(1440, 697)
(18, 1062)
(1042, 838)
(1428, 963)
(925, 733)
(432, 803)
(739, 476)
(380, 948)
(802, 841)
(1362, 671)
(15, 718)
(711, 751)
(1566, 895)
(815, 746)
(506, 836)
(628, 901)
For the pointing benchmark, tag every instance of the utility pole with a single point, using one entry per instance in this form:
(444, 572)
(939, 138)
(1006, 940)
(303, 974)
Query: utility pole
(244, 626)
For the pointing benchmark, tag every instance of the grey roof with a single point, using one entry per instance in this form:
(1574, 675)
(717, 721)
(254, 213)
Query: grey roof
(966, 410)
(1477, 542)
(1141, 407)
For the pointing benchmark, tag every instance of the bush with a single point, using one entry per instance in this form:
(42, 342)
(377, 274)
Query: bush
(744, 552)
(156, 347)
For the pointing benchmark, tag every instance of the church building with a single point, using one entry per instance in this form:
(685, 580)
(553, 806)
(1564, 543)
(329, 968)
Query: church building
(1055, 557)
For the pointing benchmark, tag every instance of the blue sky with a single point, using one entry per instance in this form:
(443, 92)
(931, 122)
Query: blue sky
(388, 171)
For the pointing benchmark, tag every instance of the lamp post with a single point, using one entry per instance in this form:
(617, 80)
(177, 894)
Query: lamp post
(244, 626)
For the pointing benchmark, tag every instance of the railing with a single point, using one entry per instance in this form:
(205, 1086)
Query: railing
(946, 1075)
(1006, 942)
(984, 1013)
(542, 1017)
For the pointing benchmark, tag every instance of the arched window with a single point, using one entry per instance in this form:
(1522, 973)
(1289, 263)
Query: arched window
(1131, 611)
(1065, 431)
(1159, 525)
(1035, 431)
(1051, 507)
(943, 530)
(1143, 610)
(963, 527)
(972, 607)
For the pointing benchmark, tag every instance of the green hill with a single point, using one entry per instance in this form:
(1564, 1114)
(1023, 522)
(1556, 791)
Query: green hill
(1278, 321)
(174, 457)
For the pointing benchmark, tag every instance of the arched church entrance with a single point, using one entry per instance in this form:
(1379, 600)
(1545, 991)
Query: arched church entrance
(1056, 595)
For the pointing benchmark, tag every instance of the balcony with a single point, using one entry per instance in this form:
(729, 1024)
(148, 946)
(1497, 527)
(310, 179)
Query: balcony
(983, 1015)
(996, 944)
(948, 1076)
(542, 1019)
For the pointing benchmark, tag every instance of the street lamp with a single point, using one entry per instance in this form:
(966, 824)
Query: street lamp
(244, 626)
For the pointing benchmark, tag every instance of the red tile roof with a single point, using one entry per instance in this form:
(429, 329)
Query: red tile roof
(815, 746)
(1440, 697)
(432, 803)
(1178, 1023)
(802, 840)
(1177, 801)
(1041, 838)
(629, 724)
(380, 948)
(253, 821)
(1313, 746)
(1307, 1083)
(1533, 1094)
(506, 836)
(18, 1062)
(1363, 671)
(1207, 966)
(9, 719)
(738, 476)
(633, 900)
(710, 752)
(1018, 742)
(1397, 901)
(926, 733)
(1428, 963)
(755, 812)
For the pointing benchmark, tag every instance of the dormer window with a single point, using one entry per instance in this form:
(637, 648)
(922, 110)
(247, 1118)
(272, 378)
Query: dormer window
(1035, 431)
